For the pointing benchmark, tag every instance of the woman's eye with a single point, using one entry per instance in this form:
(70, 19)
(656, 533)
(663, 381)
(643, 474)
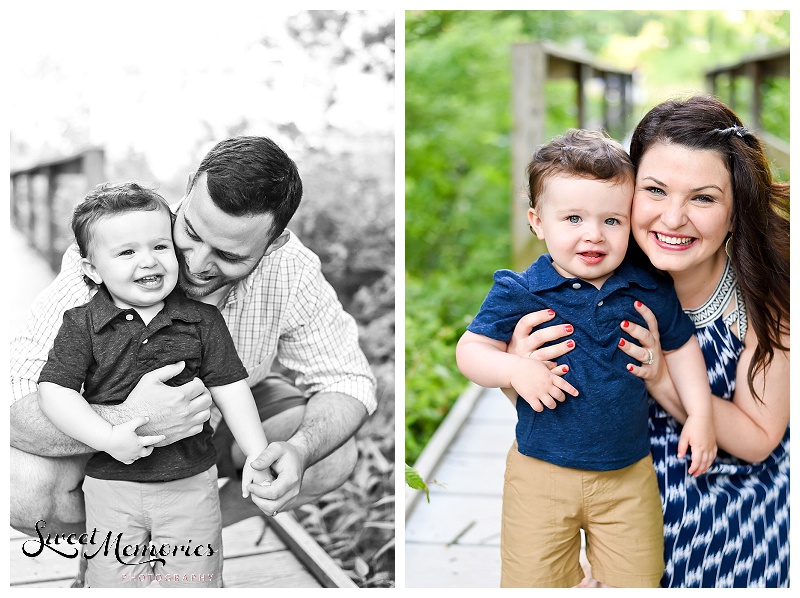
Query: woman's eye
(655, 190)
(704, 199)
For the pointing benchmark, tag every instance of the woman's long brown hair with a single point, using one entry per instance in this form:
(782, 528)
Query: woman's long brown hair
(759, 242)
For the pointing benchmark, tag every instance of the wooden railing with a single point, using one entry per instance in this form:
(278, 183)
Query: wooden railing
(533, 64)
(43, 196)
(724, 81)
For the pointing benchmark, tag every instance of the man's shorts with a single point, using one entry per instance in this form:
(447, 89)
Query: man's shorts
(545, 507)
(273, 395)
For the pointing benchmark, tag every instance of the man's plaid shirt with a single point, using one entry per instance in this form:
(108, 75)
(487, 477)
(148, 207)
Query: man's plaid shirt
(284, 310)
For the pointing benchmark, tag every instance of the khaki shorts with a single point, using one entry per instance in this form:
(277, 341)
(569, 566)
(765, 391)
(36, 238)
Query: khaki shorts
(179, 520)
(545, 507)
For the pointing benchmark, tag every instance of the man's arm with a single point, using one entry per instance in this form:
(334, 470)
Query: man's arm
(330, 420)
(175, 412)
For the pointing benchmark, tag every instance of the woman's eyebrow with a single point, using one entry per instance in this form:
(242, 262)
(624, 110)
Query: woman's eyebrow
(695, 190)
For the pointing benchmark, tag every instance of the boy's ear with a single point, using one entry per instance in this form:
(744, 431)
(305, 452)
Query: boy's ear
(536, 223)
(90, 271)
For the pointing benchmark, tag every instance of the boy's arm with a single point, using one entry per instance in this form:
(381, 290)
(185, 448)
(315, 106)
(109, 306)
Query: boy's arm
(484, 361)
(687, 368)
(71, 414)
(238, 408)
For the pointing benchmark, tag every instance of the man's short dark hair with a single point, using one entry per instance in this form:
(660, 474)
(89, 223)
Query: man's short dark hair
(251, 175)
(110, 199)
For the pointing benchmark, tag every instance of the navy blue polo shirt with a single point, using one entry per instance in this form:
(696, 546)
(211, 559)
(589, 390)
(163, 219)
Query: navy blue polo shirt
(605, 427)
(106, 350)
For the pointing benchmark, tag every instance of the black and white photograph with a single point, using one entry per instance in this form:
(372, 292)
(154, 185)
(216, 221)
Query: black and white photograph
(202, 324)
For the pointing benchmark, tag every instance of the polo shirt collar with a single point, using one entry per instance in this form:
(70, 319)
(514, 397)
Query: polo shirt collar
(176, 307)
(543, 277)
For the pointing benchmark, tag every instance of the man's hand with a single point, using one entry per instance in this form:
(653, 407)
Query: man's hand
(125, 445)
(285, 460)
(175, 412)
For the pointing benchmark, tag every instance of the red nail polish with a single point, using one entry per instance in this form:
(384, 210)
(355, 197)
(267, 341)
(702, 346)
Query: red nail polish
(570, 344)
(630, 367)
(638, 303)
(565, 368)
(622, 342)
(625, 323)
(550, 312)
(568, 327)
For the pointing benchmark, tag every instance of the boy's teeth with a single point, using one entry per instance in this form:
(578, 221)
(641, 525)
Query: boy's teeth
(673, 240)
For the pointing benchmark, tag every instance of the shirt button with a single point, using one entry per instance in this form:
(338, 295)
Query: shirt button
(599, 304)
(129, 317)
(144, 342)
(576, 285)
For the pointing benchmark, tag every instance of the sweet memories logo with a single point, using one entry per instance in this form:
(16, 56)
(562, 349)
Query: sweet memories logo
(96, 543)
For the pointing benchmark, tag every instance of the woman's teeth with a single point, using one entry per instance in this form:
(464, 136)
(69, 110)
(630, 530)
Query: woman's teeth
(674, 240)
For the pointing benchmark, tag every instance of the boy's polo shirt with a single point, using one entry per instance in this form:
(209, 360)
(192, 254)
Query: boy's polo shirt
(605, 426)
(106, 350)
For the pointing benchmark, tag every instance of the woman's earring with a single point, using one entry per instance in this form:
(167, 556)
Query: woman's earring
(728, 247)
(531, 228)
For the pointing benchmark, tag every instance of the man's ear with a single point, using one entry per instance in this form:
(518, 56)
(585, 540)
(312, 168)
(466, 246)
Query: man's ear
(277, 243)
(90, 271)
(535, 223)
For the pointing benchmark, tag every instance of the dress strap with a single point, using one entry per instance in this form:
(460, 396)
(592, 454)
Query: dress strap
(713, 308)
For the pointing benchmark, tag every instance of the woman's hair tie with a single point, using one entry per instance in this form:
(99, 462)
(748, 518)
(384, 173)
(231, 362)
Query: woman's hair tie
(730, 131)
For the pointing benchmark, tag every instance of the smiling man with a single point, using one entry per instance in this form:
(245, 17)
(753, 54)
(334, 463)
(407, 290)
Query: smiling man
(235, 253)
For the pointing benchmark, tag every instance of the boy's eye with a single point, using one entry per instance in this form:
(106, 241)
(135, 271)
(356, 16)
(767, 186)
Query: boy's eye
(126, 252)
(612, 221)
(161, 247)
(574, 219)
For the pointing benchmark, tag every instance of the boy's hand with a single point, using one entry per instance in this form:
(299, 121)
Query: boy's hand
(540, 386)
(698, 432)
(125, 445)
(254, 476)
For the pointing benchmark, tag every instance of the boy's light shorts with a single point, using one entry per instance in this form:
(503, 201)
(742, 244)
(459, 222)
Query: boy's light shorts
(179, 519)
(545, 507)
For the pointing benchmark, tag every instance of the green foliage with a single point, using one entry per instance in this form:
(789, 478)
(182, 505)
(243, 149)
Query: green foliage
(415, 481)
(458, 128)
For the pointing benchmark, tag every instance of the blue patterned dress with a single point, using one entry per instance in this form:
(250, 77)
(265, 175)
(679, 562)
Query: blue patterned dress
(730, 526)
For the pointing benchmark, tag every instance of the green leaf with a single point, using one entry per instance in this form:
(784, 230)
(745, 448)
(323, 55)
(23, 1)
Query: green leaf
(415, 481)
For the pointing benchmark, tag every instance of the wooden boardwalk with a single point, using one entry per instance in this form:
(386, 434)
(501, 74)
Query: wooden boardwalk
(454, 541)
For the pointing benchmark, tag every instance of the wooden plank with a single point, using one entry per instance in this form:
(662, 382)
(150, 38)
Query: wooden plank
(438, 566)
(275, 570)
(484, 438)
(470, 473)
(318, 562)
(441, 440)
(459, 519)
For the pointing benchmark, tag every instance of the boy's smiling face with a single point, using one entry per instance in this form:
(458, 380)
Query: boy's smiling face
(585, 224)
(133, 254)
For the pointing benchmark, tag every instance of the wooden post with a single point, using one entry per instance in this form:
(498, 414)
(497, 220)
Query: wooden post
(529, 74)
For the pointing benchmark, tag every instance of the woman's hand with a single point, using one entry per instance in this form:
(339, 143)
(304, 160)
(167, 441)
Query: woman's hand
(649, 347)
(526, 343)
